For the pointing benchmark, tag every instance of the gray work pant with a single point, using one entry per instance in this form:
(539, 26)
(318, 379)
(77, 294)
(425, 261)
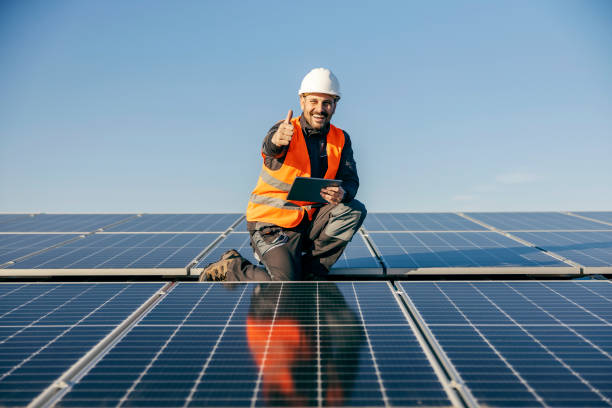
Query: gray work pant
(305, 252)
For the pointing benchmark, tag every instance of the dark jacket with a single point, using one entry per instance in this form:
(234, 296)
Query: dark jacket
(316, 142)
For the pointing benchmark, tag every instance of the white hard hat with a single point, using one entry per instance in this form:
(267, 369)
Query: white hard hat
(320, 80)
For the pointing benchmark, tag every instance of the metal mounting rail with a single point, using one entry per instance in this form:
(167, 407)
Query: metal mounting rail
(454, 385)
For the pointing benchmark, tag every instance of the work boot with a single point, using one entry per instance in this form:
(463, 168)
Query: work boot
(217, 271)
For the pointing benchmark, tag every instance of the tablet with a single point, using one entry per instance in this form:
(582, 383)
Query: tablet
(309, 189)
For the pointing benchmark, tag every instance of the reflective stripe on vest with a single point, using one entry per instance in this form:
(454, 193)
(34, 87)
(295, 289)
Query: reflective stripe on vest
(268, 202)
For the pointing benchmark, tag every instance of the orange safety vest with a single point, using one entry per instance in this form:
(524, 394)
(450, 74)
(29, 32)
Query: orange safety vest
(268, 202)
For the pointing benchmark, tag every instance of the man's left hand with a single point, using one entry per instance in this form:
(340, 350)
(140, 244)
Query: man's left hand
(333, 195)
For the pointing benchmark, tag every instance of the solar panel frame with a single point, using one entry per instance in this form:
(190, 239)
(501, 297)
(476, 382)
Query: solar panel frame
(462, 252)
(138, 391)
(604, 217)
(108, 254)
(532, 371)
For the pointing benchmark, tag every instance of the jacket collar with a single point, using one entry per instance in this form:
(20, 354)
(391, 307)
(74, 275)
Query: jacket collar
(308, 131)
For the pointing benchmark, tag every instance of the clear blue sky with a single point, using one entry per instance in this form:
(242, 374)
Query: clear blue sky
(162, 106)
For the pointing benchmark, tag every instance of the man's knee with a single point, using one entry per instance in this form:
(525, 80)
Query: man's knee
(345, 219)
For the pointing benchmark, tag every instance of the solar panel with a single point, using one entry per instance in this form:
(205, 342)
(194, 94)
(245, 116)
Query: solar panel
(592, 249)
(522, 343)
(602, 216)
(118, 253)
(46, 328)
(11, 217)
(357, 258)
(419, 222)
(178, 223)
(291, 344)
(461, 252)
(535, 221)
(15, 246)
(63, 222)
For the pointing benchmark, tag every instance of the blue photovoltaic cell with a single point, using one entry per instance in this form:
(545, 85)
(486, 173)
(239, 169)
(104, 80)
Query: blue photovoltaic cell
(242, 226)
(291, 344)
(62, 222)
(588, 248)
(46, 328)
(605, 216)
(101, 251)
(532, 221)
(419, 222)
(11, 217)
(524, 343)
(14, 246)
(356, 255)
(456, 250)
(178, 223)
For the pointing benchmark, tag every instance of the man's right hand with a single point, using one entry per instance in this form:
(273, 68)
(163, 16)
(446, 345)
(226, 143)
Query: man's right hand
(284, 133)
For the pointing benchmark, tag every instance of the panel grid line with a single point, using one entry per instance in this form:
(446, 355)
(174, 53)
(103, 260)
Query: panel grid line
(536, 340)
(319, 375)
(23, 328)
(576, 304)
(371, 349)
(493, 348)
(27, 303)
(596, 347)
(265, 354)
(72, 326)
(595, 293)
(12, 291)
(160, 351)
(214, 349)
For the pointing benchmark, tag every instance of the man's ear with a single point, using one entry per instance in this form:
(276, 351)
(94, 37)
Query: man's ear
(302, 102)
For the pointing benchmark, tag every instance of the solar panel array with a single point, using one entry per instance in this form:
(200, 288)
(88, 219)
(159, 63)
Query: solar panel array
(536, 344)
(47, 328)
(389, 244)
(460, 344)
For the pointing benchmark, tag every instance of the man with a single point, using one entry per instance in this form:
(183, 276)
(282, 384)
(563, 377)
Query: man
(300, 240)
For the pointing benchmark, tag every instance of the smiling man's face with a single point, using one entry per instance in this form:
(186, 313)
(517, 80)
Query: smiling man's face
(318, 108)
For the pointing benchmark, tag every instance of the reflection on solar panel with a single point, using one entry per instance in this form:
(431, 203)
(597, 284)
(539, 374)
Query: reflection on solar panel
(113, 252)
(295, 344)
(63, 222)
(46, 328)
(419, 222)
(523, 343)
(448, 252)
(534, 221)
(178, 223)
(588, 248)
(605, 216)
(357, 259)
(15, 246)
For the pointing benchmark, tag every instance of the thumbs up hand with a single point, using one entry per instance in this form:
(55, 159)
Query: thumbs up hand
(284, 133)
